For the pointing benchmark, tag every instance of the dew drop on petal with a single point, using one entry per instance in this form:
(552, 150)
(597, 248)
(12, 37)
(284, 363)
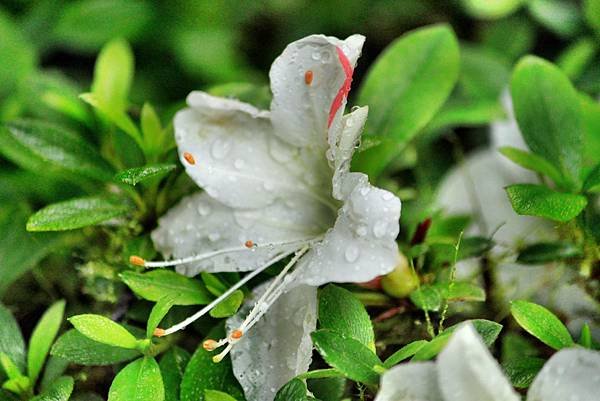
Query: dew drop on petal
(361, 231)
(351, 254)
(203, 209)
(214, 236)
(387, 196)
(220, 148)
(239, 164)
(316, 55)
(379, 228)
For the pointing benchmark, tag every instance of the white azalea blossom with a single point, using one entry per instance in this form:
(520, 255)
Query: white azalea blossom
(277, 184)
(466, 371)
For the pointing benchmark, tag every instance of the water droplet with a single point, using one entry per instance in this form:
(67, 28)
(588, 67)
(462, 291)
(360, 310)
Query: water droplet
(316, 55)
(325, 57)
(351, 254)
(214, 236)
(280, 151)
(379, 228)
(361, 231)
(354, 108)
(364, 191)
(239, 164)
(220, 148)
(268, 186)
(386, 196)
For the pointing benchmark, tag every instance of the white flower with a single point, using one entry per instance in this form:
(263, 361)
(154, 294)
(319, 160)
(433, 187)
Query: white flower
(466, 371)
(277, 183)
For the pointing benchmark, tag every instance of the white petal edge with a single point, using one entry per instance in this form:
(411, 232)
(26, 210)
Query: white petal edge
(362, 243)
(279, 346)
(416, 381)
(200, 224)
(570, 375)
(468, 372)
(300, 108)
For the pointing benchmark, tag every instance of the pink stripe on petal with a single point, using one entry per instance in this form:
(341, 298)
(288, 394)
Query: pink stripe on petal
(344, 90)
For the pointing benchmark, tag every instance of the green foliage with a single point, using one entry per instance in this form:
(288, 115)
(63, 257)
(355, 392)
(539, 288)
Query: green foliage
(542, 324)
(140, 380)
(155, 284)
(134, 176)
(172, 366)
(77, 348)
(544, 252)
(540, 201)
(60, 390)
(11, 339)
(42, 338)
(103, 330)
(294, 390)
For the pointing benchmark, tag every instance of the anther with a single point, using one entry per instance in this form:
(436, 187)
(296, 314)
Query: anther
(158, 332)
(137, 261)
(210, 345)
(236, 334)
(189, 158)
(308, 77)
(249, 244)
(218, 358)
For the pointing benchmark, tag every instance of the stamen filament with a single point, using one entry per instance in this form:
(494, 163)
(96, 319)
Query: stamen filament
(168, 263)
(236, 286)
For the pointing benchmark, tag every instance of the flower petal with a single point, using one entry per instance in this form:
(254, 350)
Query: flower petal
(200, 224)
(468, 372)
(571, 374)
(361, 245)
(305, 80)
(416, 381)
(229, 149)
(278, 347)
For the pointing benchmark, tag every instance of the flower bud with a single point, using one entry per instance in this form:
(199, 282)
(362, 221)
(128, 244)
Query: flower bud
(401, 281)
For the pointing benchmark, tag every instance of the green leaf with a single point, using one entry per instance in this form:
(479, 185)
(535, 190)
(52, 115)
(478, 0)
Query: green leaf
(483, 73)
(585, 338)
(592, 181)
(60, 390)
(214, 395)
(427, 297)
(17, 54)
(42, 338)
(51, 150)
(341, 311)
(19, 385)
(172, 365)
(229, 306)
(86, 25)
(11, 370)
(486, 9)
(11, 340)
(159, 311)
(522, 371)
(135, 175)
(542, 324)
(77, 348)
(113, 74)
(591, 12)
(463, 113)
(154, 136)
(203, 374)
(77, 213)
(549, 114)
(139, 381)
(103, 330)
(294, 390)
(577, 57)
(327, 388)
(431, 296)
(544, 252)
(541, 201)
(404, 89)
(403, 353)
(55, 367)
(561, 17)
(157, 283)
(354, 359)
(534, 162)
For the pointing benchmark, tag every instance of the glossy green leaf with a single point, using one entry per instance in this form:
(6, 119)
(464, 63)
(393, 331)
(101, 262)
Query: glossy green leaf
(88, 24)
(42, 338)
(577, 57)
(55, 368)
(592, 181)
(541, 201)
(585, 337)
(214, 395)
(77, 348)
(522, 371)
(9, 367)
(542, 324)
(354, 359)
(158, 312)
(484, 74)
(545, 252)
(113, 74)
(60, 390)
(103, 330)
(591, 11)
(341, 311)
(404, 89)
(549, 114)
(294, 390)
(154, 135)
(139, 381)
(533, 162)
(155, 284)
(403, 353)
(172, 365)
(561, 17)
(432, 296)
(427, 297)
(11, 340)
(494, 9)
(51, 150)
(229, 306)
(464, 113)
(203, 374)
(135, 175)
(327, 388)
(77, 213)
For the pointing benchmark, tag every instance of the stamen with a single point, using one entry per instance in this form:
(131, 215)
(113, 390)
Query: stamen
(211, 345)
(218, 358)
(196, 258)
(189, 158)
(308, 77)
(249, 244)
(136, 260)
(158, 332)
(207, 308)
(236, 334)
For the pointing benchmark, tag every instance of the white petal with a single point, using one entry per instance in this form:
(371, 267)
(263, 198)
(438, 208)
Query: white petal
(570, 375)
(200, 224)
(300, 109)
(278, 347)
(468, 372)
(415, 381)
(237, 159)
(361, 245)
